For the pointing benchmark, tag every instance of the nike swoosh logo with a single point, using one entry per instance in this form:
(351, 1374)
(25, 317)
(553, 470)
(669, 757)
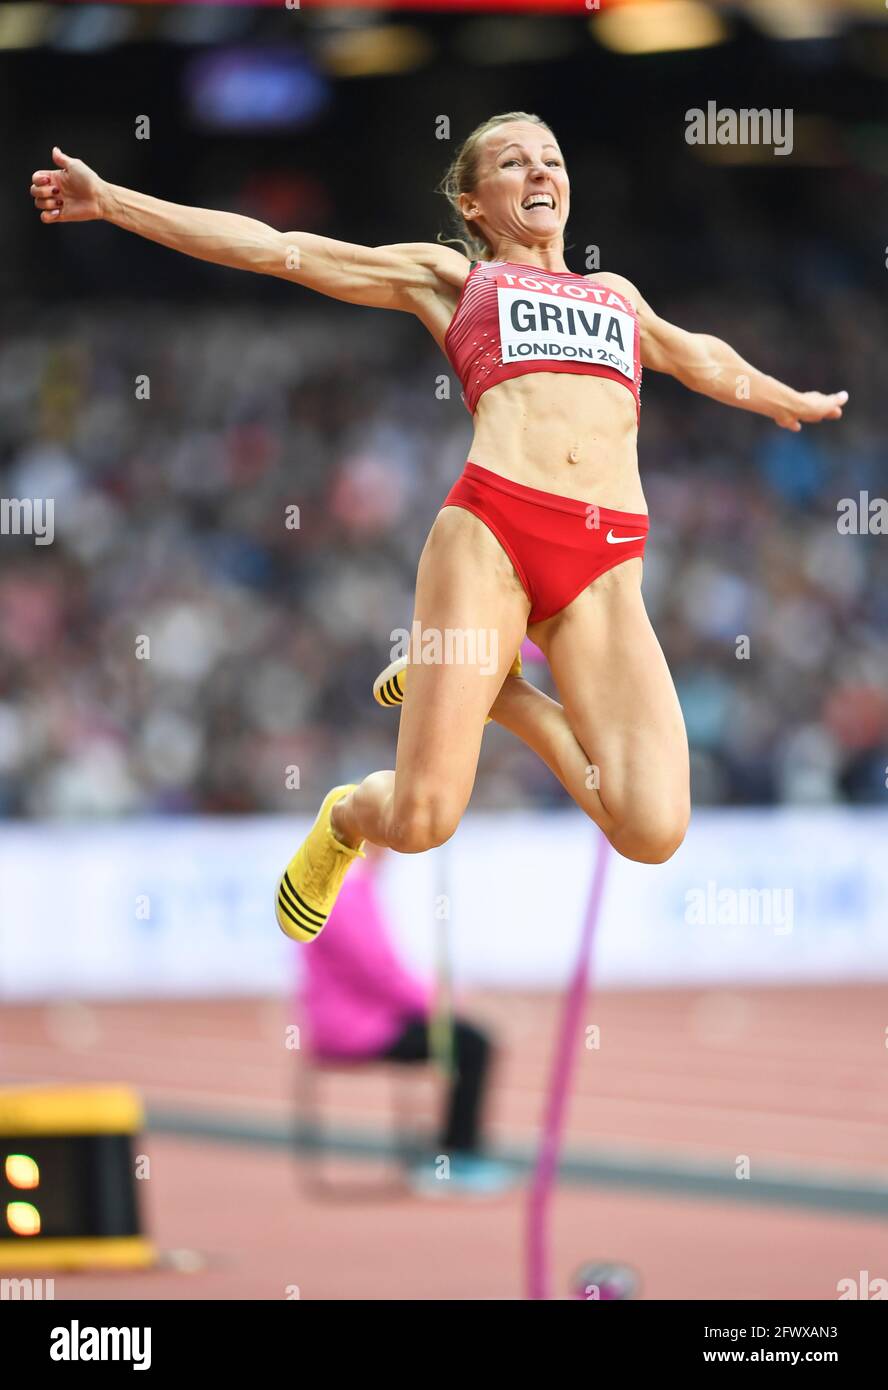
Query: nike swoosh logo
(620, 540)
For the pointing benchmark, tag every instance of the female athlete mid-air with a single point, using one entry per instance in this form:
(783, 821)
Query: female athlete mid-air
(544, 531)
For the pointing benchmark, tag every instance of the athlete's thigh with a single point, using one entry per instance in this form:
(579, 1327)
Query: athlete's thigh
(469, 620)
(618, 694)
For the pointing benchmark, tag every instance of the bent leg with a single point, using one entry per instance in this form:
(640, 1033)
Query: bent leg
(617, 744)
(621, 705)
(471, 612)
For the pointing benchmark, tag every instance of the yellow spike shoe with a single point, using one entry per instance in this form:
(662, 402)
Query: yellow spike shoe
(388, 688)
(310, 884)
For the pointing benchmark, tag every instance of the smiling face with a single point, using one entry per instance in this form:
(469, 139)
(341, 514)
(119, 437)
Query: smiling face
(522, 192)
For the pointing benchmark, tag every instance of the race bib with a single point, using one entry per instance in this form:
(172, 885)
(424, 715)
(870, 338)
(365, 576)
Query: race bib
(541, 320)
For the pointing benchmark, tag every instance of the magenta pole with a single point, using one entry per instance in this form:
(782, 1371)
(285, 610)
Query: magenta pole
(546, 1169)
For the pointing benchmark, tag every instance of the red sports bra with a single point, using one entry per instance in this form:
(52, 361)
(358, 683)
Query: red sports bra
(513, 318)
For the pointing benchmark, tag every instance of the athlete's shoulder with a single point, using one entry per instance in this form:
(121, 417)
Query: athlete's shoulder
(625, 287)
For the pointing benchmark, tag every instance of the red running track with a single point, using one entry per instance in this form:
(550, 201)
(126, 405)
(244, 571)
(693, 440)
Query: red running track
(791, 1078)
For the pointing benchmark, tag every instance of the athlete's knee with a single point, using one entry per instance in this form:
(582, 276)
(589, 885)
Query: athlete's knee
(655, 838)
(423, 821)
(652, 849)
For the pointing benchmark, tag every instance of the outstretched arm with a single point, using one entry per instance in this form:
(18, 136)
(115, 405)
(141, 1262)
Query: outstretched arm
(381, 277)
(712, 367)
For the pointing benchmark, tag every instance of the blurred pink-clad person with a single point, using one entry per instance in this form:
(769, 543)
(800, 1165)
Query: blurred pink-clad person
(359, 1002)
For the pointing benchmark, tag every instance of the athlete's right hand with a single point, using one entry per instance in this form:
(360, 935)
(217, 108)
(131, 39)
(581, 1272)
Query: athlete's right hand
(72, 192)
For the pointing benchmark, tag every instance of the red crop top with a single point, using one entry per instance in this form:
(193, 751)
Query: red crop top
(512, 319)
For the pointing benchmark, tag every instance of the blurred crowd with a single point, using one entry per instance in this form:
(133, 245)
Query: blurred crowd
(240, 499)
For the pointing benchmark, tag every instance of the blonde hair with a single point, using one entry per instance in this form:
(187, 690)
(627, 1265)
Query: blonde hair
(462, 177)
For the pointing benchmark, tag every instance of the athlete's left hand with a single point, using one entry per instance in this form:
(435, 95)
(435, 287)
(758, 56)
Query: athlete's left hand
(810, 407)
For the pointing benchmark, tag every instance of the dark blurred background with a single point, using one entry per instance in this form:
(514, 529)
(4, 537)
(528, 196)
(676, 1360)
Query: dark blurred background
(169, 512)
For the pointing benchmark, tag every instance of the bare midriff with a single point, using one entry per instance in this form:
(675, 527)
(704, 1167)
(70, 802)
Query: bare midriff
(563, 433)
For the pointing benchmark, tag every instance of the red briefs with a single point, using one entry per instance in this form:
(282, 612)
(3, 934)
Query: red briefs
(558, 545)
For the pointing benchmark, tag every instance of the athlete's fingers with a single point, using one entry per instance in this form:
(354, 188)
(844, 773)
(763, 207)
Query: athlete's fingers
(786, 421)
(44, 176)
(828, 407)
(50, 216)
(44, 190)
(47, 203)
(62, 160)
(818, 406)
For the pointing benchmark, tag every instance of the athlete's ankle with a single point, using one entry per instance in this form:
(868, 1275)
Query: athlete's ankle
(341, 824)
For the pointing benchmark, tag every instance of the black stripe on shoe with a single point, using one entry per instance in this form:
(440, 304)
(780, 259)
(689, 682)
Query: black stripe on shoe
(391, 693)
(297, 921)
(300, 905)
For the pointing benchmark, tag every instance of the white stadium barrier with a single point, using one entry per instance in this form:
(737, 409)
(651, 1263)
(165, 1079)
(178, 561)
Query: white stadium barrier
(184, 907)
